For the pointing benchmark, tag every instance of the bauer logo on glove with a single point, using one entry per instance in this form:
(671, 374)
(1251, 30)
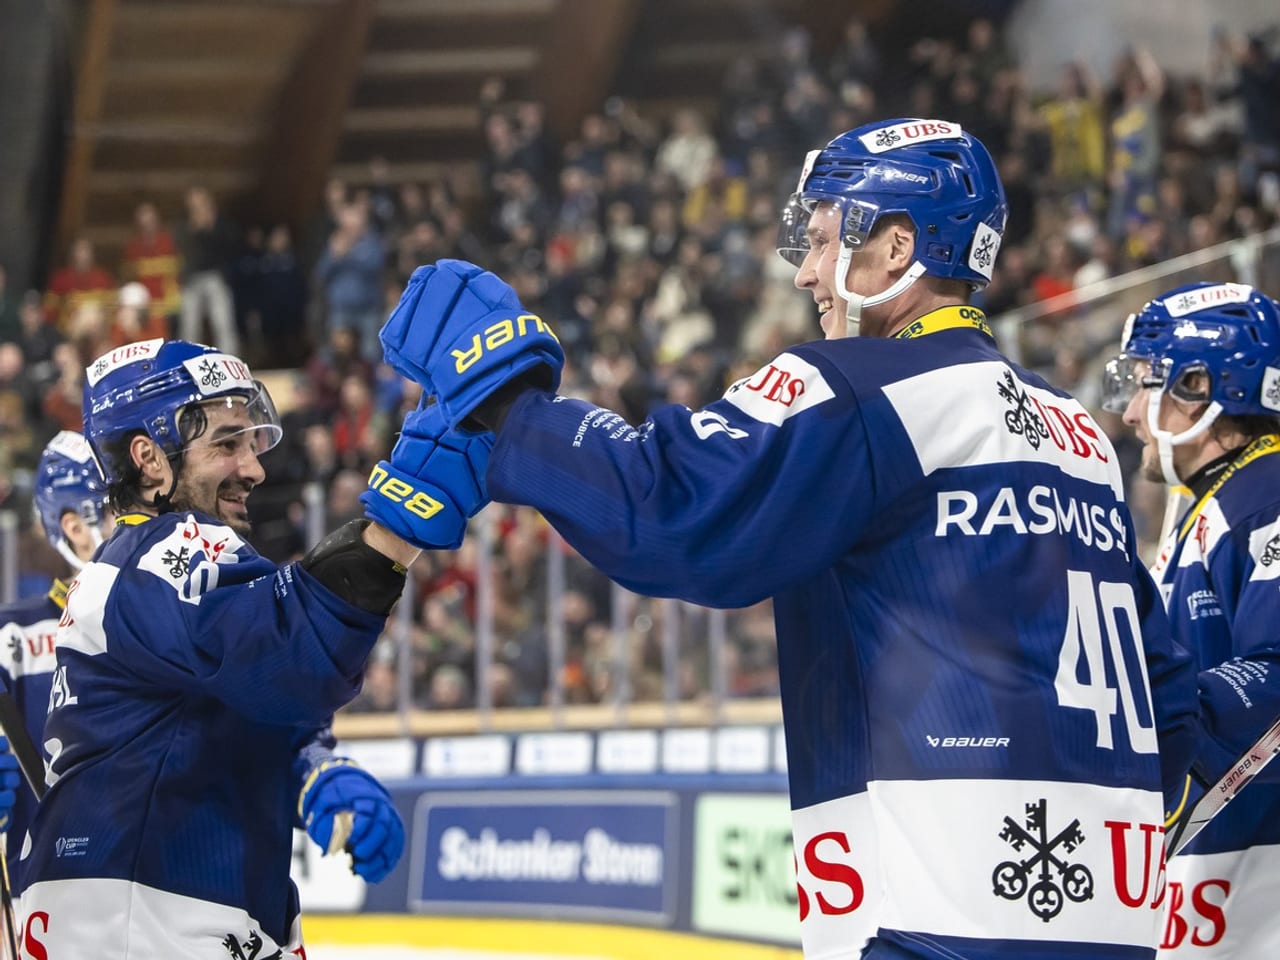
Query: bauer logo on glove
(462, 333)
(419, 502)
(497, 336)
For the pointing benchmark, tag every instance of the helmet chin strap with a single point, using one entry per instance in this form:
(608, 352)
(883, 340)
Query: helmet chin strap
(1166, 441)
(69, 555)
(855, 303)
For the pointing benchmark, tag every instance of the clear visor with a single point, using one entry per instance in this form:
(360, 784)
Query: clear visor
(237, 419)
(1123, 377)
(809, 217)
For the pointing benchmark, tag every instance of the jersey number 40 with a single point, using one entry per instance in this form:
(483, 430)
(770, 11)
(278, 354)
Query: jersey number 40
(1084, 641)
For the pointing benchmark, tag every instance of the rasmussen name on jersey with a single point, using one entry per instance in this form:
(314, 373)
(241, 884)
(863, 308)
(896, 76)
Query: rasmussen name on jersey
(1040, 510)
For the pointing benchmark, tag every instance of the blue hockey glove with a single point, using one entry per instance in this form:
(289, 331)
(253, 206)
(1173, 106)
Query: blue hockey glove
(10, 781)
(344, 808)
(432, 484)
(461, 332)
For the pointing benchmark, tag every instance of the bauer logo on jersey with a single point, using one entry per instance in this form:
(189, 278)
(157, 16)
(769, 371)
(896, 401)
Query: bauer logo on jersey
(905, 134)
(983, 250)
(218, 373)
(187, 559)
(780, 390)
(1205, 297)
(1271, 389)
(117, 358)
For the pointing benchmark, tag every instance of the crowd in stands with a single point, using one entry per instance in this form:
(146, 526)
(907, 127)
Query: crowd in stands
(647, 240)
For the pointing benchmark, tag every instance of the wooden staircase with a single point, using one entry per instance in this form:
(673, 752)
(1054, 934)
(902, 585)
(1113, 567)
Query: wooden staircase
(262, 100)
(176, 93)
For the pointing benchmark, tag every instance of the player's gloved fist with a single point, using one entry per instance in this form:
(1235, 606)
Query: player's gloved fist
(433, 482)
(10, 781)
(344, 808)
(461, 332)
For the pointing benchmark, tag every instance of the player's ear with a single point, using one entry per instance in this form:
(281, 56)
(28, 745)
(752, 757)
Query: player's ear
(72, 525)
(149, 459)
(900, 246)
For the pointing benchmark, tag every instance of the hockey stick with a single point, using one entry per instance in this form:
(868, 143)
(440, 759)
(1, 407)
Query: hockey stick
(6, 902)
(1224, 791)
(24, 749)
(21, 744)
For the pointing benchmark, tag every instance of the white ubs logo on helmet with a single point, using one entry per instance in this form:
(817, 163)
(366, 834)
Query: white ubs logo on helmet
(1194, 300)
(117, 358)
(905, 134)
(218, 373)
(71, 445)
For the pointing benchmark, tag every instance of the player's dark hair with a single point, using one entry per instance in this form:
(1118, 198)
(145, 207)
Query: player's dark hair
(125, 491)
(1250, 425)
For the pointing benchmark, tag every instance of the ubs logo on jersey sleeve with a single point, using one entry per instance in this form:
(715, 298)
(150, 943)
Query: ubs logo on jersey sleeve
(187, 559)
(780, 390)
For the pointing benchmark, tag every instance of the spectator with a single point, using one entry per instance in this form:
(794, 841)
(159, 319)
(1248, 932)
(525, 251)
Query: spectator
(1135, 141)
(151, 258)
(80, 281)
(10, 323)
(349, 274)
(1077, 141)
(207, 244)
(37, 339)
(688, 151)
(282, 291)
(133, 319)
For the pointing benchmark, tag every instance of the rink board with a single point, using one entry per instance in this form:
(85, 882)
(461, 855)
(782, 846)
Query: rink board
(546, 849)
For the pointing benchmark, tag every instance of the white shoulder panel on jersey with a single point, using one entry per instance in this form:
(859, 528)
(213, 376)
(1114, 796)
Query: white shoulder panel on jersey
(1208, 528)
(978, 414)
(779, 390)
(80, 628)
(1264, 547)
(187, 559)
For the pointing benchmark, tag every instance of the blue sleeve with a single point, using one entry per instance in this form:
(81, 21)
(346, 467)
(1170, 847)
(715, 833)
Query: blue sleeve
(1171, 670)
(723, 506)
(1240, 697)
(272, 643)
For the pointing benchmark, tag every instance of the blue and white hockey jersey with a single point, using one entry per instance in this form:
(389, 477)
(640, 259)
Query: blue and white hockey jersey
(194, 686)
(1219, 571)
(976, 669)
(27, 631)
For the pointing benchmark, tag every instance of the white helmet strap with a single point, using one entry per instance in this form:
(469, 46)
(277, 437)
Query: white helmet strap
(1166, 441)
(855, 303)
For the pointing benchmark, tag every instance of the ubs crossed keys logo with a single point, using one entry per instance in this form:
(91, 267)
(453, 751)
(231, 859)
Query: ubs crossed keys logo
(211, 376)
(1022, 420)
(1054, 876)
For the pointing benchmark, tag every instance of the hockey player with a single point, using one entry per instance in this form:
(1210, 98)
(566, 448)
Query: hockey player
(981, 700)
(70, 501)
(1199, 382)
(195, 681)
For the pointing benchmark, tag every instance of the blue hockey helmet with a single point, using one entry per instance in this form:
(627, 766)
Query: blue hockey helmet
(1228, 331)
(930, 170)
(67, 481)
(146, 386)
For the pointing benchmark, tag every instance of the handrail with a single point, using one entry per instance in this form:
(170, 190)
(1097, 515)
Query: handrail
(596, 716)
(1074, 299)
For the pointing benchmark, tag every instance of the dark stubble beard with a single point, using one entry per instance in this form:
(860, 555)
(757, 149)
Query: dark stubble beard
(183, 499)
